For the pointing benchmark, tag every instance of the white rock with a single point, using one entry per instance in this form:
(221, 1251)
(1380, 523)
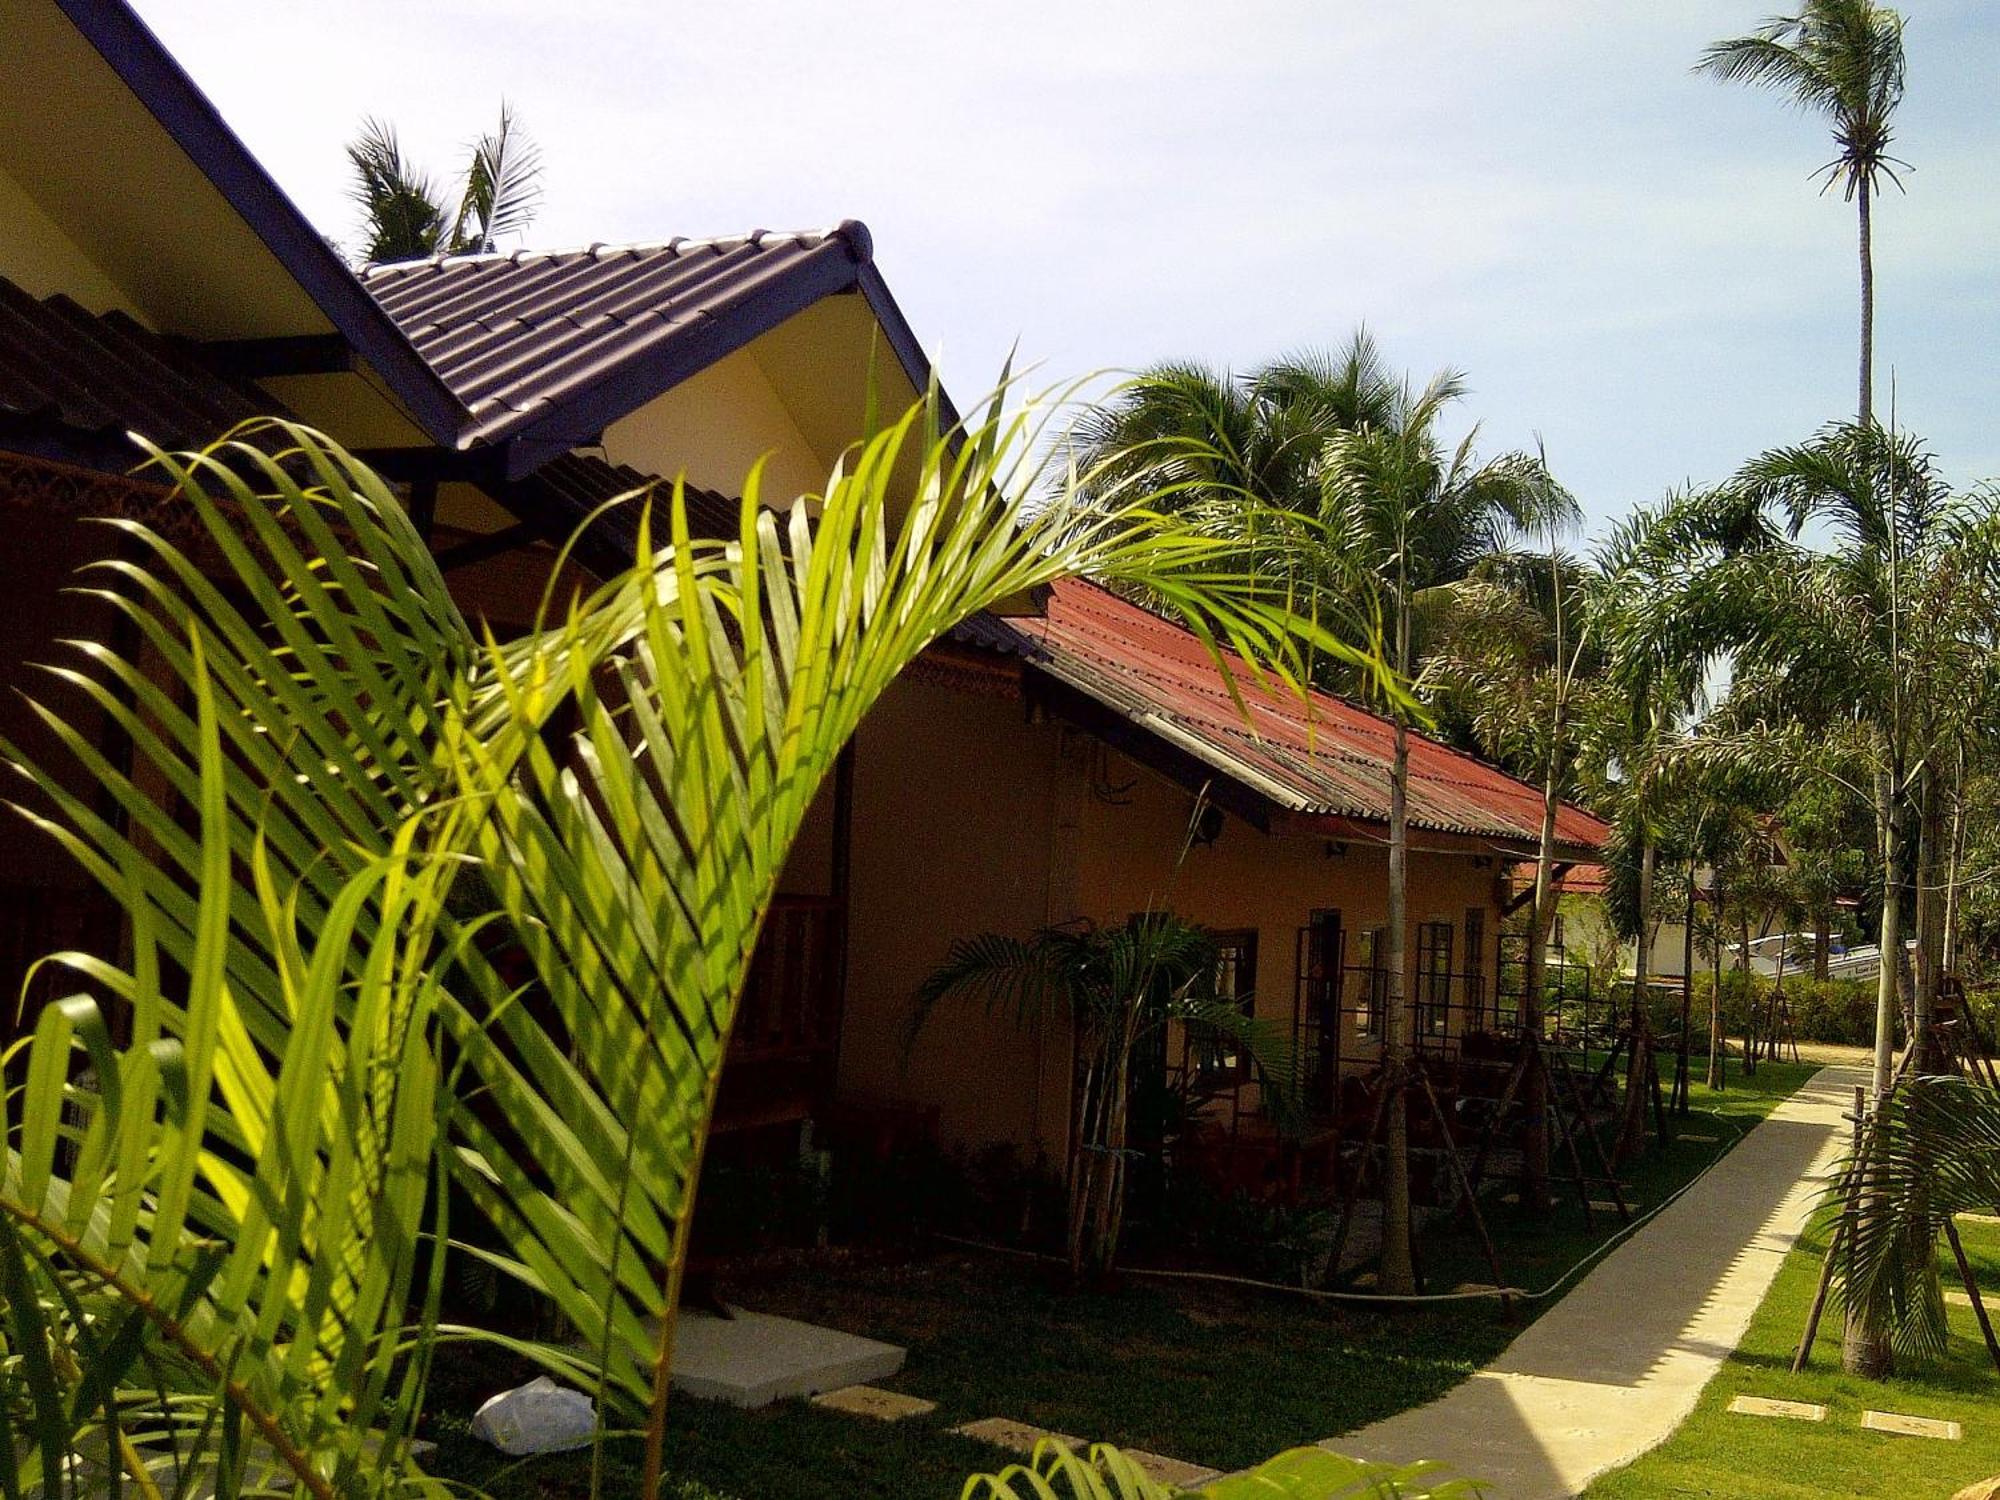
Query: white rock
(539, 1417)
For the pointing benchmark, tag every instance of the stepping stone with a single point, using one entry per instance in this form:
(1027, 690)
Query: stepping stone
(1176, 1472)
(1485, 1289)
(1021, 1437)
(1706, 1140)
(1977, 1218)
(753, 1359)
(1764, 1406)
(873, 1401)
(1906, 1426)
(1608, 1207)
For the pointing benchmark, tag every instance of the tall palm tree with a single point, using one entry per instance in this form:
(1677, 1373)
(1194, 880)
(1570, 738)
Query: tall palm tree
(1876, 644)
(406, 216)
(1518, 662)
(1842, 59)
(1403, 517)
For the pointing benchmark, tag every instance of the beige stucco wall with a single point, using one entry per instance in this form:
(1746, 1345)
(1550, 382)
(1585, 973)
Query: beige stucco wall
(42, 260)
(955, 805)
(969, 818)
(714, 428)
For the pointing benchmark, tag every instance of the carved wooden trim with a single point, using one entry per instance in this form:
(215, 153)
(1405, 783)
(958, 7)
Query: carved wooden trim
(78, 493)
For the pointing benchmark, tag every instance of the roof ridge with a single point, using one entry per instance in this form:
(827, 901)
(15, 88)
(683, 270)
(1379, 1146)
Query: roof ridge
(852, 230)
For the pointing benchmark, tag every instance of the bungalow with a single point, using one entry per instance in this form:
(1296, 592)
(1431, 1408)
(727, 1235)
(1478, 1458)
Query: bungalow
(1034, 769)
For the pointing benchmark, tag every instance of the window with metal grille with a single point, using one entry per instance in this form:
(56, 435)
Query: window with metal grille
(1433, 1009)
(1235, 982)
(1374, 965)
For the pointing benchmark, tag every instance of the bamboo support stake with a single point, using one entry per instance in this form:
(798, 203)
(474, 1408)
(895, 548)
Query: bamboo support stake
(1972, 1291)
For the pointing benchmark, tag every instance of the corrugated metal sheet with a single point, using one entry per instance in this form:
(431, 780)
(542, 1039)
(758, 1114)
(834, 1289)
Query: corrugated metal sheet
(63, 367)
(519, 334)
(1320, 756)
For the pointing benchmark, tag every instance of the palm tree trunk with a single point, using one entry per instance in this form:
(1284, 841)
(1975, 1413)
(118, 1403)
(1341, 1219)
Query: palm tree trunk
(1717, 1062)
(1929, 922)
(1867, 307)
(1865, 1348)
(1534, 975)
(1397, 1274)
(1639, 1057)
(1683, 1068)
(1886, 998)
(1749, 991)
(1822, 943)
(1948, 950)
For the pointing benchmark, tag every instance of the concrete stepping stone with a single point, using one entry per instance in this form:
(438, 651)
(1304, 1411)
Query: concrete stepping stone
(873, 1401)
(1487, 1289)
(1765, 1406)
(1705, 1140)
(1171, 1471)
(1606, 1206)
(752, 1359)
(1965, 1218)
(1020, 1437)
(1907, 1426)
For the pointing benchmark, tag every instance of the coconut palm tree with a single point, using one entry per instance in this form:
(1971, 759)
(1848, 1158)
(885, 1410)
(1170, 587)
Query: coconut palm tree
(1403, 517)
(1842, 59)
(406, 216)
(397, 815)
(1214, 444)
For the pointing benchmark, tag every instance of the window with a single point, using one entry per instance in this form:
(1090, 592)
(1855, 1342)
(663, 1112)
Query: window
(1433, 978)
(1475, 968)
(1373, 961)
(1235, 982)
(1320, 957)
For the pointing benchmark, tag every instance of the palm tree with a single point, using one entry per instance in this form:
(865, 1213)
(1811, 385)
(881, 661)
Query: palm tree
(406, 217)
(1873, 647)
(1403, 517)
(1518, 662)
(1215, 445)
(1842, 59)
(322, 1034)
(1115, 989)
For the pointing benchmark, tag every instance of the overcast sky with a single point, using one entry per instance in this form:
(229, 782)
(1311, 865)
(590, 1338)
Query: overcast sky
(1625, 259)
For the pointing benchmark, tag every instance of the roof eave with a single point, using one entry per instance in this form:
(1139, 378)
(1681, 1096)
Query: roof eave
(164, 88)
(834, 266)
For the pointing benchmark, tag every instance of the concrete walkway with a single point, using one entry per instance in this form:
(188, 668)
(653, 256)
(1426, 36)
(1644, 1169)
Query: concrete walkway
(1616, 1365)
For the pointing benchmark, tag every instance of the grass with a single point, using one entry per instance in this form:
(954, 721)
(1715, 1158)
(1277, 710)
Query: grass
(1220, 1376)
(1715, 1449)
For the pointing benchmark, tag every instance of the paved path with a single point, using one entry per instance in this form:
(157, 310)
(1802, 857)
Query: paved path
(1615, 1366)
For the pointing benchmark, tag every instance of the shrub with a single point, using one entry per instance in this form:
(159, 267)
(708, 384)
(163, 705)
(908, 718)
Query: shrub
(1839, 1011)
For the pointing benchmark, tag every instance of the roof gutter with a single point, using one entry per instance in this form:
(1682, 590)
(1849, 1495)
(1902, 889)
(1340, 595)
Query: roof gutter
(159, 83)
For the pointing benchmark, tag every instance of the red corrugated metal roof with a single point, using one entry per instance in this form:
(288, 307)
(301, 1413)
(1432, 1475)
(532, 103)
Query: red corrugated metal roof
(1318, 756)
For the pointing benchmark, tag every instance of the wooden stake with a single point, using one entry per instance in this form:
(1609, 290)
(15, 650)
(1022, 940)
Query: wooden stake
(1972, 1291)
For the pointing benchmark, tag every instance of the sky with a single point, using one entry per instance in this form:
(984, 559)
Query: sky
(1630, 264)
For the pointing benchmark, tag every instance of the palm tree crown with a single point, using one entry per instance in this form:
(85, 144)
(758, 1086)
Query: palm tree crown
(405, 215)
(1842, 59)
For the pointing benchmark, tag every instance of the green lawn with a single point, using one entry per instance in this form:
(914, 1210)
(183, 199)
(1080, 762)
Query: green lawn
(1215, 1375)
(1720, 1453)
